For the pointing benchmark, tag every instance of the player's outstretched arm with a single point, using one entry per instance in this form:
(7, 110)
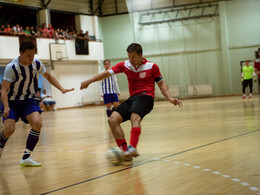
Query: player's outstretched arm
(166, 93)
(56, 83)
(98, 77)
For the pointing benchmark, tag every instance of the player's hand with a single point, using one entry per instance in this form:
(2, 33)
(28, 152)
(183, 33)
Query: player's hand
(66, 90)
(6, 112)
(175, 101)
(102, 96)
(84, 85)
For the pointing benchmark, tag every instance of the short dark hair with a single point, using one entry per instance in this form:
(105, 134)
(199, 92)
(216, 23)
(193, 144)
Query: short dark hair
(135, 47)
(259, 49)
(26, 45)
(106, 61)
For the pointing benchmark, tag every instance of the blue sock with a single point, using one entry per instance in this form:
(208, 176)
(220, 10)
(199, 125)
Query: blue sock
(109, 112)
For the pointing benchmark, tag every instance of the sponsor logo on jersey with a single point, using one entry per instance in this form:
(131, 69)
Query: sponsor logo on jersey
(142, 74)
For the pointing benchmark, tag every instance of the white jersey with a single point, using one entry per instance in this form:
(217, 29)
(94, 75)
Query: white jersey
(109, 85)
(23, 79)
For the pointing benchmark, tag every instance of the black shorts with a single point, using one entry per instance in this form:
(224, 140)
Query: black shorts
(139, 104)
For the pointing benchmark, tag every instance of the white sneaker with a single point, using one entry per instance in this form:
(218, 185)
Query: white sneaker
(131, 151)
(29, 162)
(1, 151)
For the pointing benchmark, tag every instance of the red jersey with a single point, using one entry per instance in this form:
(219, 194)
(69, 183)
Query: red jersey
(141, 78)
(257, 65)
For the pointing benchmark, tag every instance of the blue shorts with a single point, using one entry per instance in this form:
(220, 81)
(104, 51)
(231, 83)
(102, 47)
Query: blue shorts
(21, 108)
(110, 98)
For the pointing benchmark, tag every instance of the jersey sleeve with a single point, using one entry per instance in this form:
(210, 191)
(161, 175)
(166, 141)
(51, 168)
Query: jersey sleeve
(42, 69)
(9, 74)
(116, 84)
(118, 68)
(100, 87)
(157, 74)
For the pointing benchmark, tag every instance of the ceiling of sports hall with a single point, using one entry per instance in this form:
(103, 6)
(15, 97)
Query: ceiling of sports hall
(107, 7)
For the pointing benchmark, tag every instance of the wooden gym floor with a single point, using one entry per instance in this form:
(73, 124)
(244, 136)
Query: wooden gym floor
(209, 146)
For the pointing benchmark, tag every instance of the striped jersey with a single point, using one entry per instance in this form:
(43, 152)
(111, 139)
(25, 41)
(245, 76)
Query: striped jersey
(109, 85)
(23, 79)
(141, 79)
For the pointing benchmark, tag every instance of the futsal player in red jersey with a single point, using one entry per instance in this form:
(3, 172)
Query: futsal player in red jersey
(141, 75)
(257, 68)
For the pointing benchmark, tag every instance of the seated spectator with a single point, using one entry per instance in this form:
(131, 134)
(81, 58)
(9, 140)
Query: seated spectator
(47, 101)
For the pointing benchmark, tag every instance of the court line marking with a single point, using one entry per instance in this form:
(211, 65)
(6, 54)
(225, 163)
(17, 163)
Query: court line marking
(150, 161)
(253, 188)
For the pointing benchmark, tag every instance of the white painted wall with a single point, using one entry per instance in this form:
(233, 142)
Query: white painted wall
(70, 75)
(9, 47)
(85, 23)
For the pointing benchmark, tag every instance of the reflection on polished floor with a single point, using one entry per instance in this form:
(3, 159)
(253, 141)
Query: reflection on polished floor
(209, 146)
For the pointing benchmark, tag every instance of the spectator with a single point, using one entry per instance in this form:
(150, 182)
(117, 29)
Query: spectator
(51, 31)
(59, 35)
(44, 30)
(47, 101)
(16, 29)
(8, 29)
(87, 36)
(27, 31)
(38, 31)
(32, 31)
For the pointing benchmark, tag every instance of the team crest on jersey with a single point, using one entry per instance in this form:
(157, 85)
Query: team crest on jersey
(142, 74)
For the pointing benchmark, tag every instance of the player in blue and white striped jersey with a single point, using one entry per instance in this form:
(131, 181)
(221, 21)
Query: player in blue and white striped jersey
(20, 84)
(109, 90)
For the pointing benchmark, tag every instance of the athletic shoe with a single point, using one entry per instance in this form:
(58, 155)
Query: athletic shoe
(1, 151)
(29, 162)
(131, 151)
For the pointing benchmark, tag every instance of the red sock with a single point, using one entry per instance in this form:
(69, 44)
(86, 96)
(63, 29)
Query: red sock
(122, 144)
(135, 133)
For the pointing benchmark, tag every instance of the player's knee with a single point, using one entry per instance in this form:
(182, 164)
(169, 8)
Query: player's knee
(8, 131)
(37, 124)
(112, 121)
(135, 118)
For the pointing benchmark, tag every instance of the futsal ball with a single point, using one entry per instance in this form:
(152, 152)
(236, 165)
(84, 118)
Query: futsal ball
(114, 156)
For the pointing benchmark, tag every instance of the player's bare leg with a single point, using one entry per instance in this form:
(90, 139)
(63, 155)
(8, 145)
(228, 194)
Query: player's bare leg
(114, 122)
(33, 137)
(9, 128)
